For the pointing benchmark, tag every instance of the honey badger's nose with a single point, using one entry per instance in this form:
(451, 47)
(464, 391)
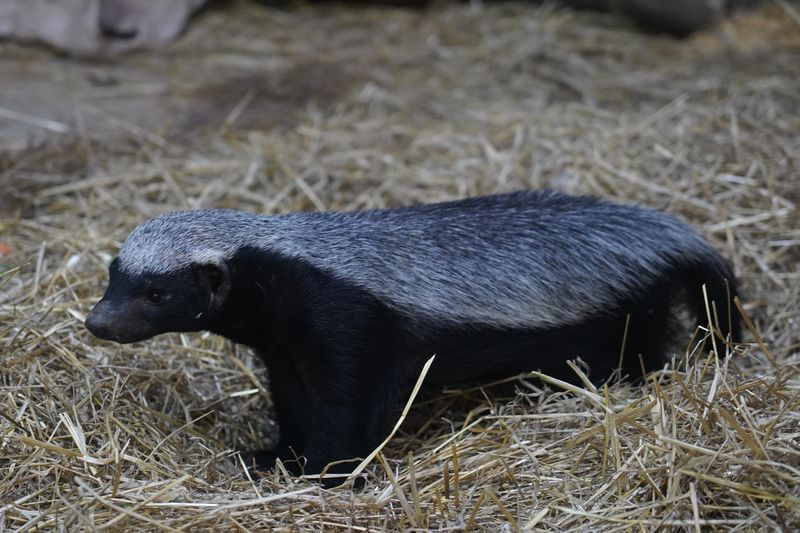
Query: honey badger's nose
(98, 324)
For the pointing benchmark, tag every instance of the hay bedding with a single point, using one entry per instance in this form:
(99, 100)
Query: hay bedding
(335, 107)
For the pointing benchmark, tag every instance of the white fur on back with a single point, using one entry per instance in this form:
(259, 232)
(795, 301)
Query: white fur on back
(530, 259)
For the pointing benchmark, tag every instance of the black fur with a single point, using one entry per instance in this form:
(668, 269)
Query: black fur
(340, 360)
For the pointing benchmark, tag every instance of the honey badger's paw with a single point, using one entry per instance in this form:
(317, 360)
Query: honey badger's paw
(259, 462)
(95, 27)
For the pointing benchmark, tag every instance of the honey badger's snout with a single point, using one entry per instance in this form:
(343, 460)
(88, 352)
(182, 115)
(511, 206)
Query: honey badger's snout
(99, 324)
(110, 324)
(118, 322)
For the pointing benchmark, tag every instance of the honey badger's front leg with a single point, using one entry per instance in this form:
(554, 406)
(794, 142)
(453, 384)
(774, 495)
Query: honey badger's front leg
(335, 378)
(320, 421)
(327, 420)
(291, 404)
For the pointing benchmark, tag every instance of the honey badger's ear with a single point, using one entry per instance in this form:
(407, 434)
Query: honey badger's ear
(215, 277)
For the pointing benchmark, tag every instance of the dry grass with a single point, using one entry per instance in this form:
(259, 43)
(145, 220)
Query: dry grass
(335, 107)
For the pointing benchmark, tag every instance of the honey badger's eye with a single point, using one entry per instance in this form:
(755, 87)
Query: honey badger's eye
(155, 296)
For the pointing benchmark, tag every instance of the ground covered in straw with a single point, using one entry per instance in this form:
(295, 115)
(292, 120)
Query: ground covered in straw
(355, 107)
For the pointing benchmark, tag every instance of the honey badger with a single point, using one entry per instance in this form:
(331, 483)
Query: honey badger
(345, 307)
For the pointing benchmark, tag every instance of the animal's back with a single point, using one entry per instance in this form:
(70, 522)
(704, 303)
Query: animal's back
(528, 259)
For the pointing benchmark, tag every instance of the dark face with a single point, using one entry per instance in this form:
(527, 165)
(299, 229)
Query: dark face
(135, 308)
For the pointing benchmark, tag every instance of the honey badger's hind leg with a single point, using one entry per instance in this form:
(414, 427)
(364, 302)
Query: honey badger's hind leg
(654, 324)
(643, 327)
(644, 332)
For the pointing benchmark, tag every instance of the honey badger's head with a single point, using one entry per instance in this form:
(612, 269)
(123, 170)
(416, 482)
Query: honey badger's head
(138, 306)
(168, 276)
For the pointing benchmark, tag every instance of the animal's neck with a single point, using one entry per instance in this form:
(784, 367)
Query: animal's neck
(262, 298)
(243, 308)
